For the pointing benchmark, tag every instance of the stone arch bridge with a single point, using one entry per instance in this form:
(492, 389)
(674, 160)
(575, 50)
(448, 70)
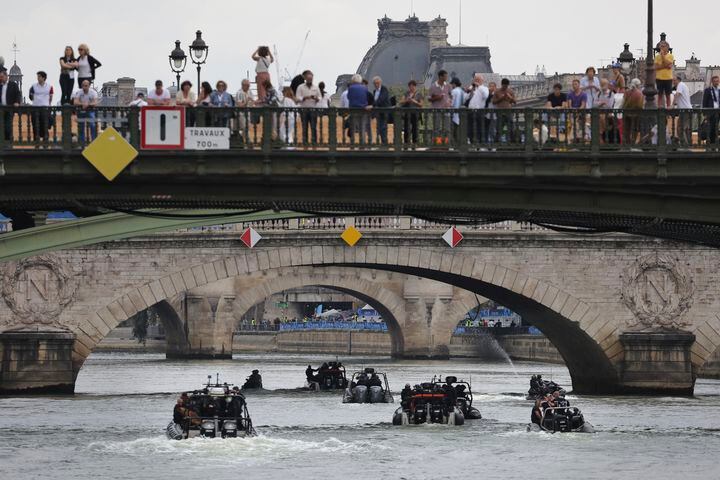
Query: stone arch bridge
(627, 314)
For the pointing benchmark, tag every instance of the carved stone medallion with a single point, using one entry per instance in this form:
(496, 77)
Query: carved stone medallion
(658, 290)
(38, 289)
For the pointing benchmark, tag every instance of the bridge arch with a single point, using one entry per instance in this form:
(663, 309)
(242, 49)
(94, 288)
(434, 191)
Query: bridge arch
(588, 341)
(388, 303)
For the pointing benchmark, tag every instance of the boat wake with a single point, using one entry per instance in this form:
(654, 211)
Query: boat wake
(260, 449)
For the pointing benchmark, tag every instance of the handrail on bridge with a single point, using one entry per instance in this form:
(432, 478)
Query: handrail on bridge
(391, 129)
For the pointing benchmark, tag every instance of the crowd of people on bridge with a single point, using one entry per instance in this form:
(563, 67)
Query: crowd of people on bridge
(455, 112)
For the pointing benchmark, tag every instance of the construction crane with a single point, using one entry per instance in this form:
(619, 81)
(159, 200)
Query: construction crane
(302, 52)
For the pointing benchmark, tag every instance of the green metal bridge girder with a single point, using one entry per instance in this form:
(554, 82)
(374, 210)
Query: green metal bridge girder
(116, 226)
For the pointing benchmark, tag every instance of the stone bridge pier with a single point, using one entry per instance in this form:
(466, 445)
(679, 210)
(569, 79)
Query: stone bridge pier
(628, 315)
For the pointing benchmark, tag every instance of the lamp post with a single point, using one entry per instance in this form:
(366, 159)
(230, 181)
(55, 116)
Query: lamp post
(178, 61)
(650, 90)
(626, 60)
(198, 53)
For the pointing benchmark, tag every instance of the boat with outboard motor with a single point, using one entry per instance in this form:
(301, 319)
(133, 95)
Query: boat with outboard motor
(330, 376)
(428, 403)
(463, 393)
(368, 386)
(562, 420)
(216, 410)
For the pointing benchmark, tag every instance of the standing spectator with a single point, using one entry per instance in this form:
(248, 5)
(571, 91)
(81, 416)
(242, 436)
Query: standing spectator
(682, 102)
(68, 67)
(86, 99)
(491, 118)
(263, 59)
(440, 99)
(557, 100)
(504, 100)
(381, 99)
(606, 98)
(307, 97)
(440, 92)
(287, 118)
(664, 75)
(41, 95)
(324, 100)
(476, 102)
(412, 99)
(186, 98)
(10, 95)
(457, 96)
(244, 99)
(205, 93)
(634, 102)
(358, 99)
(711, 100)
(139, 101)
(617, 79)
(297, 81)
(160, 97)
(606, 101)
(577, 100)
(86, 65)
(203, 117)
(590, 85)
(220, 98)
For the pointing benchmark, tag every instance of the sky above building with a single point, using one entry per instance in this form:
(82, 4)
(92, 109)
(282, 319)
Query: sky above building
(134, 37)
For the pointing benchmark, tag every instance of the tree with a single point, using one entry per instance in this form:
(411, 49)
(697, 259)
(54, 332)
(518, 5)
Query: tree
(140, 322)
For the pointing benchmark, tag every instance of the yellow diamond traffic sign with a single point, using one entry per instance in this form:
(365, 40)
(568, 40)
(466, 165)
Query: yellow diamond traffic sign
(351, 236)
(110, 153)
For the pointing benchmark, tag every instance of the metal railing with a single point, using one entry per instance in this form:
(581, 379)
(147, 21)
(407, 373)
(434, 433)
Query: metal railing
(397, 129)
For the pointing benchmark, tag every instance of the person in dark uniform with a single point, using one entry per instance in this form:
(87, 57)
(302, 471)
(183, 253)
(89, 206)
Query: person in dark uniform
(254, 381)
(450, 396)
(406, 395)
(374, 381)
(310, 374)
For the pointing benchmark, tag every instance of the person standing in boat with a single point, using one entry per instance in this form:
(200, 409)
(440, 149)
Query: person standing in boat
(179, 412)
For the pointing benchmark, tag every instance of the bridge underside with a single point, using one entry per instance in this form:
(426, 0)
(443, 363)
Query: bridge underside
(646, 195)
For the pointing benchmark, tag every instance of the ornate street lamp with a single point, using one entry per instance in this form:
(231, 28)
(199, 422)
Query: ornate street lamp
(198, 53)
(178, 60)
(650, 90)
(626, 60)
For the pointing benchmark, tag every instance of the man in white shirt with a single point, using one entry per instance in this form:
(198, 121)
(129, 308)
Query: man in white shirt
(479, 95)
(139, 101)
(682, 102)
(41, 95)
(160, 97)
(307, 96)
(85, 100)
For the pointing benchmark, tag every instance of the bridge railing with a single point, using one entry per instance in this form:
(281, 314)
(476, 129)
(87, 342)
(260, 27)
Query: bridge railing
(396, 129)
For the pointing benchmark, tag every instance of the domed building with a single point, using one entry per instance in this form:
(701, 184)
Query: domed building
(15, 75)
(417, 50)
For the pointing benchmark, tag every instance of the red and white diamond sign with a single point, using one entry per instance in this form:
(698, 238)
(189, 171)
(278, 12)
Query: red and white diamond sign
(250, 237)
(453, 237)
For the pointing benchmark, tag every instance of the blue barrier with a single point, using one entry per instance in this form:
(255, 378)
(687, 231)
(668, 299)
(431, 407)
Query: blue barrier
(366, 326)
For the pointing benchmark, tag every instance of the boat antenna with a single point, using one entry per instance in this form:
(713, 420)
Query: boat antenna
(217, 379)
(209, 379)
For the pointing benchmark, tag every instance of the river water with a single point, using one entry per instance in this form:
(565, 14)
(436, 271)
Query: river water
(114, 428)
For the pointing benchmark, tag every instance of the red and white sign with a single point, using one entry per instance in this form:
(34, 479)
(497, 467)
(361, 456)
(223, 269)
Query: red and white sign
(163, 128)
(250, 237)
(453, 237)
